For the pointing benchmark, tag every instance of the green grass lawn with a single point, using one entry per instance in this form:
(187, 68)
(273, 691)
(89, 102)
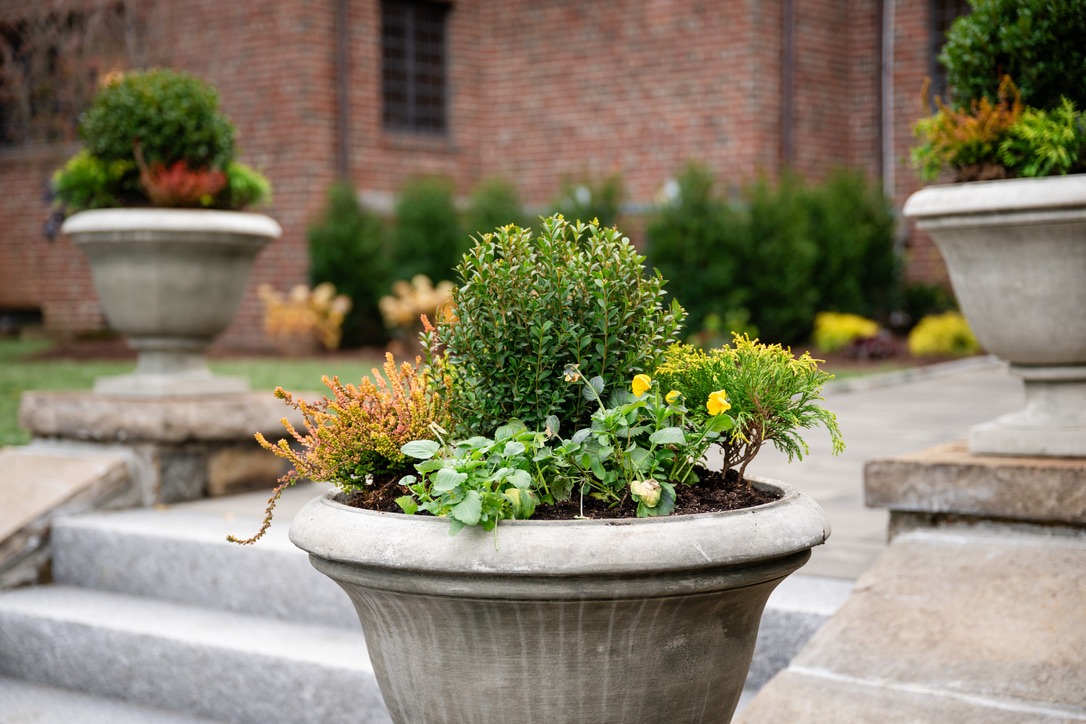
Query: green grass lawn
(19, 372)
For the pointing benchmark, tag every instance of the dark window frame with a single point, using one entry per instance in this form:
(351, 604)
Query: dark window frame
(414, 66)
(941, 13)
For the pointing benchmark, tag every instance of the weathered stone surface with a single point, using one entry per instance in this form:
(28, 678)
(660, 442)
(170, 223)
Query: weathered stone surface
(797, 697)
(995, 621)
(38, 483)
(89, 416)
(239, 469)
(947, 479)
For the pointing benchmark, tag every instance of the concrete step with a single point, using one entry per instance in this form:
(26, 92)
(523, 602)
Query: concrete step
(220, 665)
(23, 702)
(966, 624)
(179, 553)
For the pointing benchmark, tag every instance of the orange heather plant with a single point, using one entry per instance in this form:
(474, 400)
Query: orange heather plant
(967, 140)
(354, 439)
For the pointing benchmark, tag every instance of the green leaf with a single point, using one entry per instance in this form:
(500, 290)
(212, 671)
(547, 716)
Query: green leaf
(668, 436)
(429, 466)
(468, 510)
(448, 479)
(407, 504)
(513, 448)
(421, 449)
(720, 423)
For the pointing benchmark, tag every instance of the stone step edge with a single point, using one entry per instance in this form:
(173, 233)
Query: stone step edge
(32, 703)
(220, 665)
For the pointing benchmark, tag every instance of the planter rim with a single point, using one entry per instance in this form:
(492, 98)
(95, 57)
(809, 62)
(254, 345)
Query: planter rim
(998, 197)
(336, 532)
(192, 220)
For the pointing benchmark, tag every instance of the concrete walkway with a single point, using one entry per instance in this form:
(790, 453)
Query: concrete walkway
(882, 416)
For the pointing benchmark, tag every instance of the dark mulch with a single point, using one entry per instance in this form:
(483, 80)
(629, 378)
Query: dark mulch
(714, 493)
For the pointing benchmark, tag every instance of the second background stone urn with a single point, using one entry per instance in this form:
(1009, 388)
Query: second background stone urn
(1016, 253)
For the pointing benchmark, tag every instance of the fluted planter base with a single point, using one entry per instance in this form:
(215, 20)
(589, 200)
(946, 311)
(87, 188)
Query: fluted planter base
(649, 620)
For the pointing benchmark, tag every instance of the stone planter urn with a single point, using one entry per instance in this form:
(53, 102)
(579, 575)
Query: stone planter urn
(170, 281)
(1016, 253)
(634, 620)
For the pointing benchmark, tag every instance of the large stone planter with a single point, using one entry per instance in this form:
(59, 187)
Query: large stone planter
(170, 281)
(1016, 253)
(641, 620)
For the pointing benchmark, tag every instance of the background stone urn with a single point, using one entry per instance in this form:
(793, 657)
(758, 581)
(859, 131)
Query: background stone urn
(1016, 253)
(170, 281)
(649, 619)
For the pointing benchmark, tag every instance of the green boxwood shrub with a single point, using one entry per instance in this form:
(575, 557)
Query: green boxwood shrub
(779, 254)
(347, 248)
(592, 305)
(588, 200)
(1038, 43)
(427, 238)
(494, 203)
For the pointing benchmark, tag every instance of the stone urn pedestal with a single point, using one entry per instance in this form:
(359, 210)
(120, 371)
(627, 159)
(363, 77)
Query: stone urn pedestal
(170, 281)
(1016, 253)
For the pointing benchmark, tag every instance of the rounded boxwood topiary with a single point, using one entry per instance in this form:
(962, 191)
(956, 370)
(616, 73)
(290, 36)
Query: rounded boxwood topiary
(1038, 43)
(173, 117)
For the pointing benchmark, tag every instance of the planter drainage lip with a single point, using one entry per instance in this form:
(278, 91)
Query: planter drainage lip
(1003, 196)
(203, 221)
(373, 540)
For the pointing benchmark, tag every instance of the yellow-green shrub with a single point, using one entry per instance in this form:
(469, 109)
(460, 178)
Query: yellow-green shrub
(943, 335)
(834, 330)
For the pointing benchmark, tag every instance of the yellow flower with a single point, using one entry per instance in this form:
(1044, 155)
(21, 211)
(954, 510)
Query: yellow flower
(718, 403)
(641, 384)
(647, 491)
(672, 397)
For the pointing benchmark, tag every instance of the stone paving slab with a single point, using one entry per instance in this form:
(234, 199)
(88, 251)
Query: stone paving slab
(33, 483)
(993, 621)
(947, 479)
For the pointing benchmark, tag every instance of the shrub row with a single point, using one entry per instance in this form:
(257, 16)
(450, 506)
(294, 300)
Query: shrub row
(778, 253)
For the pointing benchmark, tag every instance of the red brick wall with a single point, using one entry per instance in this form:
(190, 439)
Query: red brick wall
(912, 63)
(540, 92)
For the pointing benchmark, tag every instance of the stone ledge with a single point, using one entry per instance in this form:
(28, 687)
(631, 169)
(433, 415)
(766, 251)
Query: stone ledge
(101, 418)
(947, 479)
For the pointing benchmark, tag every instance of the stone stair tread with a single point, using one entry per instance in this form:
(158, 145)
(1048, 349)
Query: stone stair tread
(180, 553)
(25, 702)
(973, 616)
(218, 664)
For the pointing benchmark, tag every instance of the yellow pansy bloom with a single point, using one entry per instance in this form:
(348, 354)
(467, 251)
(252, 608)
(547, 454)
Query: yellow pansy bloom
(673, 397)
(641, 384)
(718, 403)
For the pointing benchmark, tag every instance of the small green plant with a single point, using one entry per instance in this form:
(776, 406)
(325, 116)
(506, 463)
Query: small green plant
(347, 249)
(967, 140)
(156, 137)
(773, 395)
(833, 330)
(943, 335)
(426, 238)
(640, 445)
(1046, 143)
(354, 438)
(531, 305)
